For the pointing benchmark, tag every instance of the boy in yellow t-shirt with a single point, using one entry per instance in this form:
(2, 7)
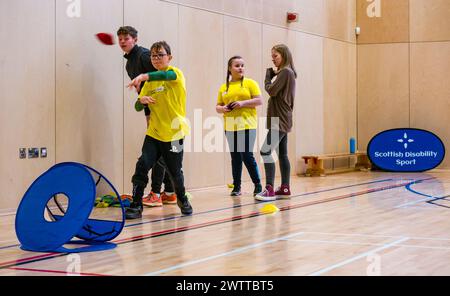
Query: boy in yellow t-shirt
(237, 100)
(165, 93)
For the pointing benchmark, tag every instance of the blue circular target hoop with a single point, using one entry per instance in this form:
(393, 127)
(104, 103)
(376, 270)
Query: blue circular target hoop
(75, 181)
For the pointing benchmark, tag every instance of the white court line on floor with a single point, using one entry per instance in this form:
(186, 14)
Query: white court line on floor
(233, 252)
(362, 244)
(378, 235)
(360, 256)
(413, 202)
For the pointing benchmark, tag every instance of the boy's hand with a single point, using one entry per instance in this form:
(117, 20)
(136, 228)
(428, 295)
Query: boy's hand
(147, 100)
(138, 106)
(136, 82)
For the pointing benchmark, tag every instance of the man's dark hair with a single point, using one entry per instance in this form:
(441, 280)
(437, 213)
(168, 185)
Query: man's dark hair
(127, 30)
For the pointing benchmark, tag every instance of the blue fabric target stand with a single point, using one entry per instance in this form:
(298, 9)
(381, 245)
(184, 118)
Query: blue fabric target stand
(79, 184)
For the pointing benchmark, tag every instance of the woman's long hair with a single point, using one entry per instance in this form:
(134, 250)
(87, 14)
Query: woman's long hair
(286, 56)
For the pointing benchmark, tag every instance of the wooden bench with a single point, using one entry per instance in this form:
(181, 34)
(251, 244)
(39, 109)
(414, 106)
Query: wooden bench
(315, 163)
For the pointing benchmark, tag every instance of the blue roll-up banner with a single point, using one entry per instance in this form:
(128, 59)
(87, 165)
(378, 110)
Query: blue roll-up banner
(79, 183)
(406, 150)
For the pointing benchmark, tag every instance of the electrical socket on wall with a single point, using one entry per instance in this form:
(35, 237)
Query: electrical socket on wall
(33, 152)
(22, 153)
(43, 152)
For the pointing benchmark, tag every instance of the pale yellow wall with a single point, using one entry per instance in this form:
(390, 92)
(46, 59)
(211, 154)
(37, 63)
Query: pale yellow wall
(403, 67)
(339, 95)
(392, 26)
(309, 105)
(89, 87)
(201, 59)
(430, 20)
(430, 90)
(82, 112)
(383, 89)
(27, 93)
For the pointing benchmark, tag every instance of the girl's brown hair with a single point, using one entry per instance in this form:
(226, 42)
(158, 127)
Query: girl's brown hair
(286, 56)
(230, 62)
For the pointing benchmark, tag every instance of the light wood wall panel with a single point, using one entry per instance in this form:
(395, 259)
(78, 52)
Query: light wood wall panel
(162, 25)
(309, 101)
(391, 26)
(213, 5)
(84, 112)
(201, 59)
(340, 18)
(311, 14)
(339, 95)
(430, 90)
(27, 84)
(251, 9)
(383, 89)
(89, 89)
(430, 20)
(329, 18)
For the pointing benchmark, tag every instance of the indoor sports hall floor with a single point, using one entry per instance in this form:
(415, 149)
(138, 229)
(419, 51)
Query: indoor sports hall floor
(362, 223)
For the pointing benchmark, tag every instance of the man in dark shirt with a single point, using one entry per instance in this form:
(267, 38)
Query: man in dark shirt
(138, 62)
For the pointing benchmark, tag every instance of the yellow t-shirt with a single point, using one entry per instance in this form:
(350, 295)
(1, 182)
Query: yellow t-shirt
(244, 118)
(168, 114)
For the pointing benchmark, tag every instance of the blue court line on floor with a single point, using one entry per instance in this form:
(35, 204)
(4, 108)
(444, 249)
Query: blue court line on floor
(182, 230)
(242, 205)
(255, 203)
(427, 199)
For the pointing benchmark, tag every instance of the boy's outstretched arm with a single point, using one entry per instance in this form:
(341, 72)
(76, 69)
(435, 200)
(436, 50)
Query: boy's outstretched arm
(153, 76)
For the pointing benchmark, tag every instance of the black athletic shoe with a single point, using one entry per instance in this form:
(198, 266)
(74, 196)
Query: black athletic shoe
(236, 191)
(185, 206)
(133, 212)
(258, 189)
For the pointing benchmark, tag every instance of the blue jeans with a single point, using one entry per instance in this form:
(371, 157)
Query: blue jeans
(241, 145)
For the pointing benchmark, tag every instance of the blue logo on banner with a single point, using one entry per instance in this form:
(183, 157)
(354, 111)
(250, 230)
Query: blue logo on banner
(406, 150)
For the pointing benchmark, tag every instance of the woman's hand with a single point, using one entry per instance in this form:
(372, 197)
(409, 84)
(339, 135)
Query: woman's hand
(147, 100)
(270, 73)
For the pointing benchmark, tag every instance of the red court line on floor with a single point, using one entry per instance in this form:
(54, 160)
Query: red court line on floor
(210, 223)
(254, 214)
(56, 271)
(28, 259)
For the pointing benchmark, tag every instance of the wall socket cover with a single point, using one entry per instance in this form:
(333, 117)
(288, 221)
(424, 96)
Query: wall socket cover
(22, 153)
(33, 152)
(43, 152)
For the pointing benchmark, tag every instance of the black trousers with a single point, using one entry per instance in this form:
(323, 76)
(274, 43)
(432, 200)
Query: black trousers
(159, 176)
(152, 151)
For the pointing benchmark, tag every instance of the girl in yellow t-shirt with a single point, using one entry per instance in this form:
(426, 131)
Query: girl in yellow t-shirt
(237, 101)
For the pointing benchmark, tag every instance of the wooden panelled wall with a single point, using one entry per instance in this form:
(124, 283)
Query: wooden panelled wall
(63, 90)
(403, 68)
